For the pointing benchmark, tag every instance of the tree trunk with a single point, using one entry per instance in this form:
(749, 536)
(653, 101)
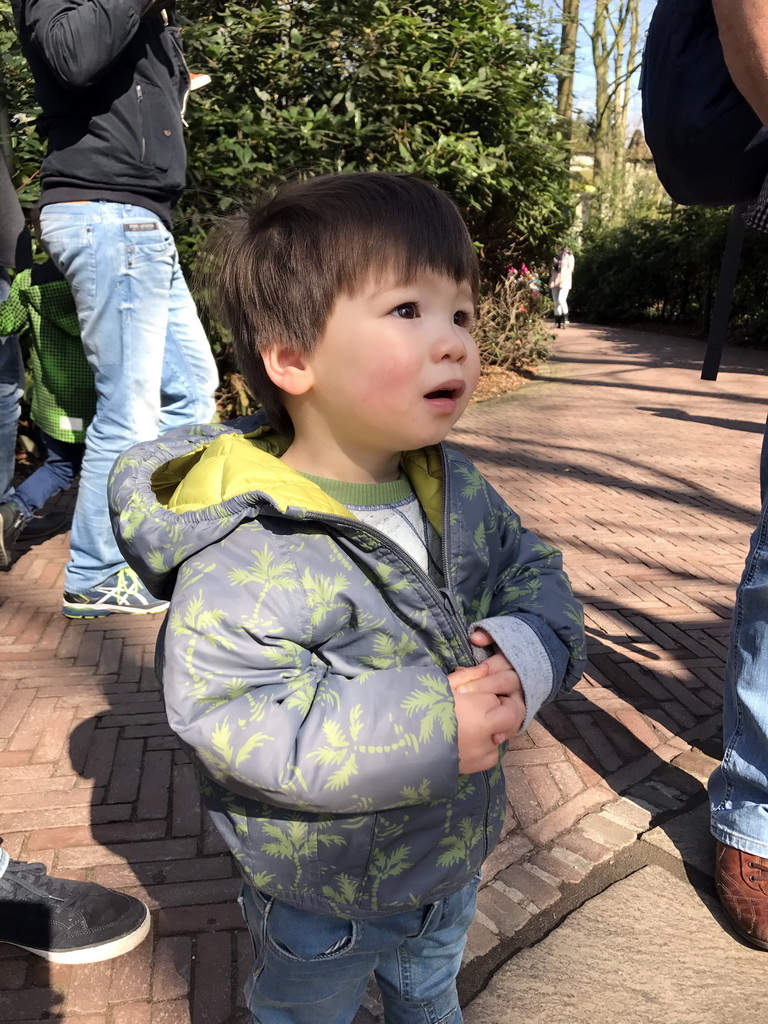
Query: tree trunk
(568, 58)
(615, 40)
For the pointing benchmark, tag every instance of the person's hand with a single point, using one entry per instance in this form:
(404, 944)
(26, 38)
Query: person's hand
(479, 716)
(495, 675)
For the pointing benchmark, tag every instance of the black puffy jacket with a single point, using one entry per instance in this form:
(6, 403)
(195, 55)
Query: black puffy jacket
(112, 89)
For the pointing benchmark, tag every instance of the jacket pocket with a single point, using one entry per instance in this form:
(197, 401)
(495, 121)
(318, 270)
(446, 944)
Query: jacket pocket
(160, 125)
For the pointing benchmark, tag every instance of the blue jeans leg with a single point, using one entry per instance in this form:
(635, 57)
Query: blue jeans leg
(152, 364)
(417, 980)
(11, 390)
(738, 789)
(310, 967)
(56, 474)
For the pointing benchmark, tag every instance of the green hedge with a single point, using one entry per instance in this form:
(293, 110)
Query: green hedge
(665, 270)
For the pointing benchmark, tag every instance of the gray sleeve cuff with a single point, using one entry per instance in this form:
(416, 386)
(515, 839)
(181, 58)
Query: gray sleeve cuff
(535, 658)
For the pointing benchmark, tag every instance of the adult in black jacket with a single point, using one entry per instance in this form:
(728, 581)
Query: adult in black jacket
(112, 83)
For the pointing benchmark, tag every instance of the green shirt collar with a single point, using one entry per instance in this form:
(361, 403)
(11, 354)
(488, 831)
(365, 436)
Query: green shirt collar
(365, 495)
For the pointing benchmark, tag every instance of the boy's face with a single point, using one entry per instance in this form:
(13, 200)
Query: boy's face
(396, 365)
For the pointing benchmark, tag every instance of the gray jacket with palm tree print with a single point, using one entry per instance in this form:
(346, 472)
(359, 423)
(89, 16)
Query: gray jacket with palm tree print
(304, 661)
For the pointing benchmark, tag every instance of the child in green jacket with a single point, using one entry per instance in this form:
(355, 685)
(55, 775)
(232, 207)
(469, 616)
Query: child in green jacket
(41, 306)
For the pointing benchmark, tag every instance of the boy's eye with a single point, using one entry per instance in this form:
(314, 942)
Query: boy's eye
(406, 311)
(462, 318)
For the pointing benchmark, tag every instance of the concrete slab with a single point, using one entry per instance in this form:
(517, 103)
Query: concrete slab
(650, 949)
(688, 839)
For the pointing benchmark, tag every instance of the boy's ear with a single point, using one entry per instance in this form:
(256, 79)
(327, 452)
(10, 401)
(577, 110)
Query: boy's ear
(288, 369)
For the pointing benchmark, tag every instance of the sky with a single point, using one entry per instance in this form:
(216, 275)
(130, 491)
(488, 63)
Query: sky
(584, 89)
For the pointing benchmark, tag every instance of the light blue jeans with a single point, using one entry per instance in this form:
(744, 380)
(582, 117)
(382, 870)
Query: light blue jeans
(311, 968)
(738, 789)
(11, 390)
(141, 334)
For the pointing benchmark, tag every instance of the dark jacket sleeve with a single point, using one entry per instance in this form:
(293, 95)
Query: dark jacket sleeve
(80, 39)
(13, 312)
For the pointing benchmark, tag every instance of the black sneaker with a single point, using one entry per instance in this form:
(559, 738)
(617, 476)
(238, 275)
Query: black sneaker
(11, 525)
(42, 527)
(67, 922)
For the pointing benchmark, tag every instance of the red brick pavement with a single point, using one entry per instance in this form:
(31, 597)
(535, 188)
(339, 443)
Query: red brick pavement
(646, 476)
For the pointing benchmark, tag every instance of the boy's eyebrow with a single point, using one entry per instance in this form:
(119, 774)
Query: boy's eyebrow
(388, 285)
(392, 285)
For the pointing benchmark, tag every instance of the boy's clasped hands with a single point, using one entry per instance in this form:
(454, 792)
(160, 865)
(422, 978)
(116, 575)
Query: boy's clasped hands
(490, 707)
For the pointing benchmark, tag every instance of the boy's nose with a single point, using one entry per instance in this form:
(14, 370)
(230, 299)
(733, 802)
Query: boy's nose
(451, 345)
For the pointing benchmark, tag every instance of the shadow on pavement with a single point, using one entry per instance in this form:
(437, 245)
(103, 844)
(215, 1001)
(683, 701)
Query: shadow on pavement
(147, 812)
(712, 421)
(654, 349)
(553, 461)
(35, 996)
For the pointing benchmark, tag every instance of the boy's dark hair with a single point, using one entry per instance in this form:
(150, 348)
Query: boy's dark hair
(272, 272)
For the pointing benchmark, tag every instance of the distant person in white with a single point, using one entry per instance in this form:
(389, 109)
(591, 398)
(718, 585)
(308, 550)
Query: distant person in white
(560, 281)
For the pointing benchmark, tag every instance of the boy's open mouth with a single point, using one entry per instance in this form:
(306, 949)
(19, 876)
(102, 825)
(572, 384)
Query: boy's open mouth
(449, 390)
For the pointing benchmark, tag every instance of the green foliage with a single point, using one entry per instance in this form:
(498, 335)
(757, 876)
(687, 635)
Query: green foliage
(665, 269)
(459, 93)
(662, 268)
(454, 91)
(18, 88)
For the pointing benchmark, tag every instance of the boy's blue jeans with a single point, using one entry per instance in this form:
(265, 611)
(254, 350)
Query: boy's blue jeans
(313, 969)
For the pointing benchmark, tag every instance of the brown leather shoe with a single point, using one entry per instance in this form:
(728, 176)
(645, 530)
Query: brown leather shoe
(741, 880)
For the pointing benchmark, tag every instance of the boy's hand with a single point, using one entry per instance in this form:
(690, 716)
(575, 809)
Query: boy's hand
(480, 717)
(496, 676)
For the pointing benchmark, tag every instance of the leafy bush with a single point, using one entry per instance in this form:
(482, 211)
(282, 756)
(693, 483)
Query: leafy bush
(509, 332)
(459, 93)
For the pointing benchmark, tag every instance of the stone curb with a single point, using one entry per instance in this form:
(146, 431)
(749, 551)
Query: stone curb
(534, 887)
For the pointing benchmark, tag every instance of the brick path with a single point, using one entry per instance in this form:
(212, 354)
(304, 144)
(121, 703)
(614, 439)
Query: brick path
(646, 476)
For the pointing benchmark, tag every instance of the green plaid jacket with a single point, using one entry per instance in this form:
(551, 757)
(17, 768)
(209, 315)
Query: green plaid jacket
(41, 308)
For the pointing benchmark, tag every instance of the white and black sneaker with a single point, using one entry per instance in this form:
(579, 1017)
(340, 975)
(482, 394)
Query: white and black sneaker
(123, 591)
(67, 922)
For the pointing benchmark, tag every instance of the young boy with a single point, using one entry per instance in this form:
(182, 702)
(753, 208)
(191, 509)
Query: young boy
(335, 574)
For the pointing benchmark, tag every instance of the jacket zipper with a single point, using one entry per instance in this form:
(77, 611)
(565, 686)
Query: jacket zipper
(140, 97)
(443, 595)
(450, 597)
(180, 50)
